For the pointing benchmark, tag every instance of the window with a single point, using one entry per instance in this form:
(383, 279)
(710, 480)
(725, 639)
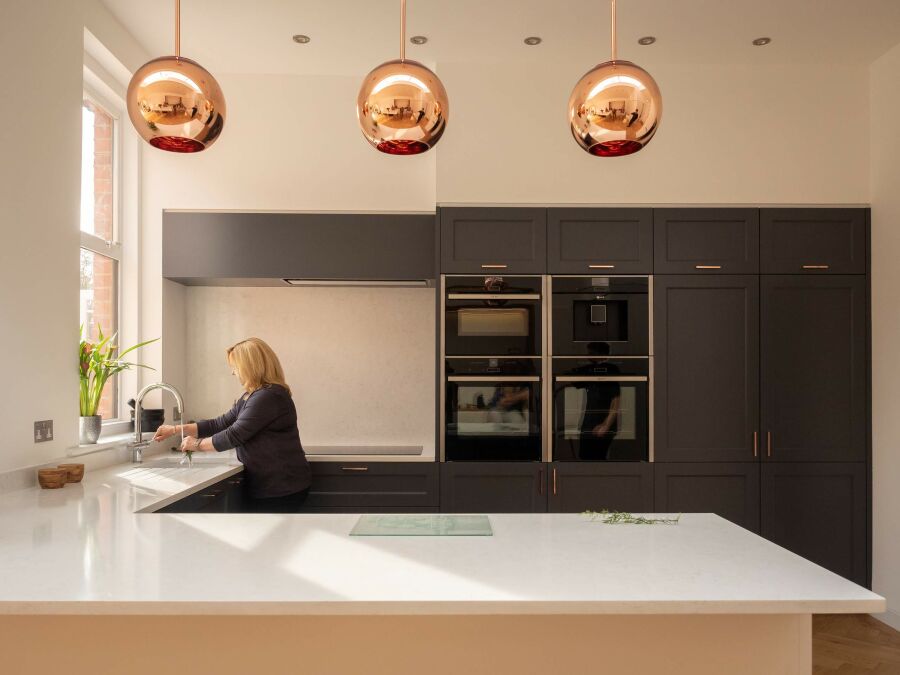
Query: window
(101, 251)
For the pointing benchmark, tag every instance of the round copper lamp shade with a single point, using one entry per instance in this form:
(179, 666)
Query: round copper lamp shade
(402, 108)
(615, 109)
(176, 105)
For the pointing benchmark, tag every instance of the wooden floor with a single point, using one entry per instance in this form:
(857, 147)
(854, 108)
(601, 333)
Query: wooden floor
(854, 645)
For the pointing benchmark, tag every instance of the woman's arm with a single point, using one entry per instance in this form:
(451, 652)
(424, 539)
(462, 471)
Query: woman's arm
(258, 411)
(167, 430)
(214, 426)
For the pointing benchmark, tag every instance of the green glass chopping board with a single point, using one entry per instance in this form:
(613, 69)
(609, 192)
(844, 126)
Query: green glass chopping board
(421, 525)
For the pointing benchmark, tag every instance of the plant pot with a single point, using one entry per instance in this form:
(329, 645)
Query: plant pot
(89, 429)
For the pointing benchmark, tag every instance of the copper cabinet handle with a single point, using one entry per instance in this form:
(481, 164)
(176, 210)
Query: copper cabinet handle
(768, 443)
(602, 267)
(756, 444)
(494, 267)
(815, 267)
(354, 468)
(541, 482)
(707, 267)
(554, 482)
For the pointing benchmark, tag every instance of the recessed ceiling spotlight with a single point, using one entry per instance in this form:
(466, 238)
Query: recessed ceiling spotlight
(533, 40)
(762, 42)
(418, 39)
(301, 39)
(647, 40)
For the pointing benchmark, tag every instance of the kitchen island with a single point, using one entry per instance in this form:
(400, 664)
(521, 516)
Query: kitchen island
(92, 579)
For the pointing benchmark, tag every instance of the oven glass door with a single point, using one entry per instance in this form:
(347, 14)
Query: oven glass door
(492, 327)
(492, 418)
(600, 418)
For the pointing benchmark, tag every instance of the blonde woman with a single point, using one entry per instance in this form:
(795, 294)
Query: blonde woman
(262, 425)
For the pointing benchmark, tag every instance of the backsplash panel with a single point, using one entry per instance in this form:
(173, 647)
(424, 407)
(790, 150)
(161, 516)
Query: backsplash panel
(360, 361)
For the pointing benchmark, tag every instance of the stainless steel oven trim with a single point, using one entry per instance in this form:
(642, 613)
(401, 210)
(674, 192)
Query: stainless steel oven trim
(509, 357)
(546, 351)
(441, 383)
(601, 378)
(494, 378)
(493, 296)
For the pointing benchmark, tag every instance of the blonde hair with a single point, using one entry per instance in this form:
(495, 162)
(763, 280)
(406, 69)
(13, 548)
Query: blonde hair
(256, 364)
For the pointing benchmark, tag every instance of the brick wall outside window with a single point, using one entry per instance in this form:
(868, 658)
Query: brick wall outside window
(99, 273)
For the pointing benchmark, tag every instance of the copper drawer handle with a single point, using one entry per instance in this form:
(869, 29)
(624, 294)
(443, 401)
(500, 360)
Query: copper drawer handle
(554, 482)
(815, 267)
(541, 482)
(756, 444)
(768, 443)
(354, 468)
(602, 267)
(707, 267)
(494, 267)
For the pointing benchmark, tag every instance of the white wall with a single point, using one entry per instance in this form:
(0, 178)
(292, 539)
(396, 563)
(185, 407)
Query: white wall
(729, 134)
(357, 359)
(41, 43)
(885, 87)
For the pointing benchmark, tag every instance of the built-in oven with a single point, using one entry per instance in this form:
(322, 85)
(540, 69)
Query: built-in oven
(600, 316)
(601, 409)
(492, 316)
(492, 409)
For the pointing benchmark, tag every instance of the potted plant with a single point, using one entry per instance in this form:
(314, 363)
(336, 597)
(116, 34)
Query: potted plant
(97, 362)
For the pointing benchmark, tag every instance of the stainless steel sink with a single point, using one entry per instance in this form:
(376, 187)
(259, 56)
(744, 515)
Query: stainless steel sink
(200, 458)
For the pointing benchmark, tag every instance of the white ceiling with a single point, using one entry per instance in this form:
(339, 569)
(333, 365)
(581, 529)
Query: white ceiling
(352, 36)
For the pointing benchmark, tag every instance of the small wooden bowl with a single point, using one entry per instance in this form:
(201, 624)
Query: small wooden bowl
(75, 472)
(50, 479)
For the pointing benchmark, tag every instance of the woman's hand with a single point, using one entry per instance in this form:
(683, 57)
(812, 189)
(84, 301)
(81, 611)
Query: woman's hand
(190, 444)
(164, 432)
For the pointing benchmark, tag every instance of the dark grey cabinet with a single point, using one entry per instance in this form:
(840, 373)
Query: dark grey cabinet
(728, 489)
(493, 487)
(813, 241)
(209, 248)
(478, 240)
(814, 368)
(225, 496)
(710, 241)
(818, 511)
(706, 388)
(599, 241)
(575, 487)
(368, 485)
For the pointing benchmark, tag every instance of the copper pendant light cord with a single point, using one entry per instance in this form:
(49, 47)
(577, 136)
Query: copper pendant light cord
(613, 38)
(177, 28)
(403, 30)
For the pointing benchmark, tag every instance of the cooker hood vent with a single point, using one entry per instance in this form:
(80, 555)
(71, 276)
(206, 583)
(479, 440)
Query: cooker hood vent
(363, 283)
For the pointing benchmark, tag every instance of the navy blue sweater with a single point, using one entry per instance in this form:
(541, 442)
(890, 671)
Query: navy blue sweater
(262, 426)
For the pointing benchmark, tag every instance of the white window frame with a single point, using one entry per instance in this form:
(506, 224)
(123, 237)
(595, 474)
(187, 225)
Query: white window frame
(109, 93)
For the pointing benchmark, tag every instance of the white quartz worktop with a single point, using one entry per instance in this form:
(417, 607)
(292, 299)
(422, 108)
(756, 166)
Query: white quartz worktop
(84, 550)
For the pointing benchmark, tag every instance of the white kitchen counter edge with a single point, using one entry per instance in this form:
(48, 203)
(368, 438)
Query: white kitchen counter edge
(438, 607)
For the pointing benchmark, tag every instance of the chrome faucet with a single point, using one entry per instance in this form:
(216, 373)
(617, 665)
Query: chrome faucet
(139, 444)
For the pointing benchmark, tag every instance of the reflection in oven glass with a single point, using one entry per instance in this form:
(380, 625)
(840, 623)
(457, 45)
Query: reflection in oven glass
(595, 414)
(503, 410)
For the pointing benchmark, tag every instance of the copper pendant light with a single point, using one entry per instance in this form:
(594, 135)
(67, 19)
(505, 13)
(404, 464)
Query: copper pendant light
(402, 106)
(616, 107)
(174, 103)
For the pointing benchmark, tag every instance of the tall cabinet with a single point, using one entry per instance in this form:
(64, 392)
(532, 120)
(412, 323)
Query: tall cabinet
(762, 380)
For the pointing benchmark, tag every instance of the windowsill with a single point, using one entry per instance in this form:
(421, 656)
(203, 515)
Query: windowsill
(111, 442)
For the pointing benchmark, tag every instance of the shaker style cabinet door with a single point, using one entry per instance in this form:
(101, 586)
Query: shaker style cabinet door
(599, 241)
(818, 511)
(706, 241)
(574, 487)
(730, 490)
(489, 240)
(813, 241)
(706, 386)
(493, 487)
(814, 371)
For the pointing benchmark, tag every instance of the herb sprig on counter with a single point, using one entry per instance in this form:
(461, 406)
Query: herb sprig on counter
(624, 518)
